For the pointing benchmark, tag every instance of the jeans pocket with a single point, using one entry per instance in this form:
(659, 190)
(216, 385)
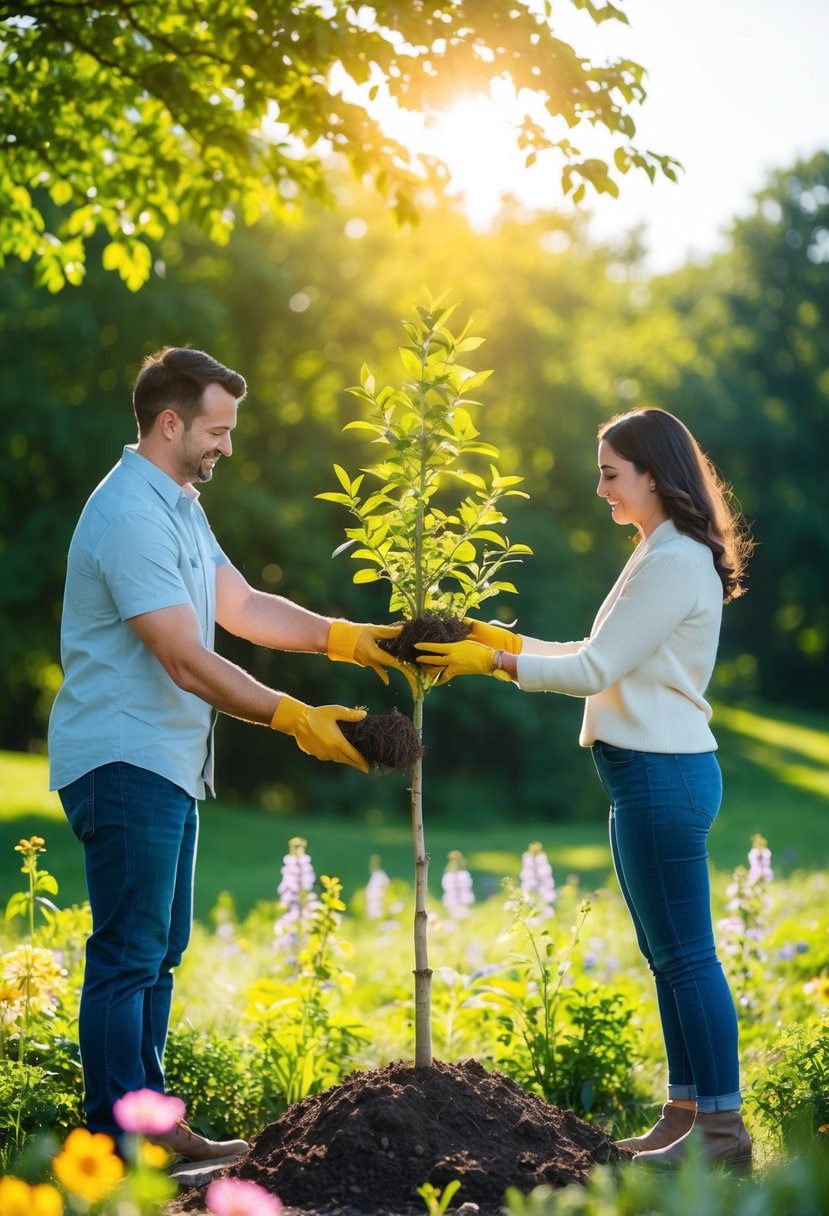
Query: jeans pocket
(78, 801)
(617, 755)
(702, 779)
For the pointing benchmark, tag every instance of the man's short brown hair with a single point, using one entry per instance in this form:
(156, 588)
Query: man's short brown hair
(175, 378)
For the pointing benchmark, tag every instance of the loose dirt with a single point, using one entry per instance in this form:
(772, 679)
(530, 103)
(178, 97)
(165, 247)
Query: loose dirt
(366, 1145)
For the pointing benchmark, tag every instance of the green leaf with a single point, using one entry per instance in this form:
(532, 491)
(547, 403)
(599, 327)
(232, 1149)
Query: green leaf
(113, 256)
(46, 882)
(465, 552)
(343, 478)
(366, 576)
(494, 537)
(411, 362)
(360, 425)
(18, 905)
(332, 496)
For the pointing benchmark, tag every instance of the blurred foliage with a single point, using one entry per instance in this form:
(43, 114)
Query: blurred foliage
(131, 118)
(739, 348)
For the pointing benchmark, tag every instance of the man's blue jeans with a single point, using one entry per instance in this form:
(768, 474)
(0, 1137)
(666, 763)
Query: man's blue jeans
(662, 807)
(139, 833)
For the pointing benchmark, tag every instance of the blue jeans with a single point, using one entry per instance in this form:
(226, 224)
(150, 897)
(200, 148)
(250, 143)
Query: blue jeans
(662, 807)
(139, 834)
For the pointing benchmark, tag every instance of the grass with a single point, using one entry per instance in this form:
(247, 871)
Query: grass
(775, 765)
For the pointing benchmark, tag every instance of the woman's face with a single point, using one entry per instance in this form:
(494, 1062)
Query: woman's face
(628, 492)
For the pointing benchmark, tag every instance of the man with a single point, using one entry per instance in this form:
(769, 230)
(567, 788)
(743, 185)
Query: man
(130, 736)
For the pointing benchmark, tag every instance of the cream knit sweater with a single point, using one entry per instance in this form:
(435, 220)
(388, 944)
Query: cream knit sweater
(646, 665)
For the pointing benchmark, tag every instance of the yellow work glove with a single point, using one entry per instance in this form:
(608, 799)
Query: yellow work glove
(317, 732)
(355, 643)
(452, 659)
(494, 635)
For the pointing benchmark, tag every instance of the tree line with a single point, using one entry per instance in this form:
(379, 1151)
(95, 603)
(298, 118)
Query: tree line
(738, 347)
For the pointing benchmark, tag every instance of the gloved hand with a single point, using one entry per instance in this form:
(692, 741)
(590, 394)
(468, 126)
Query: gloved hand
(354, 643)
(316, 730)
(456, 659)
(494, 635)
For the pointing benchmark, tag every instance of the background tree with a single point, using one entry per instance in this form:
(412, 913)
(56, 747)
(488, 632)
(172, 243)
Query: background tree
(133, 118)
(576, 333)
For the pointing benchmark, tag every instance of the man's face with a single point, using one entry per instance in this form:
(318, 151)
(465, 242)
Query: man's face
(208, 437)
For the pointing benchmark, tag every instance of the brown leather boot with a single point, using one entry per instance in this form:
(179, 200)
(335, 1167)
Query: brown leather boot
(674, 1122)
(186, 1143)
(718, 1137)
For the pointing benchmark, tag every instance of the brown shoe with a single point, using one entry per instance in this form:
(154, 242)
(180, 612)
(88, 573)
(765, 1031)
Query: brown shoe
(717, 1137)
(674, 1122)
(186, 1143)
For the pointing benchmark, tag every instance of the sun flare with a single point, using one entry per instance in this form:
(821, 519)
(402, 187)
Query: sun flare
(476, 140)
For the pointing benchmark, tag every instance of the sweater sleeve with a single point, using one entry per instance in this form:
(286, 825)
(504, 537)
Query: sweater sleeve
(539, 646)
(657, 596)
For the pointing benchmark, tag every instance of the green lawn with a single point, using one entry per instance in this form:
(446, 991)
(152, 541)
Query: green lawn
(776, 768)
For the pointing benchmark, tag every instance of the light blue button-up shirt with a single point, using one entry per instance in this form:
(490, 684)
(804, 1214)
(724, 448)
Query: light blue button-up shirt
(142, 543)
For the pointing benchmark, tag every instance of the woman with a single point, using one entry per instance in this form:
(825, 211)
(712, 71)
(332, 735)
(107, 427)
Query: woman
(643, 671)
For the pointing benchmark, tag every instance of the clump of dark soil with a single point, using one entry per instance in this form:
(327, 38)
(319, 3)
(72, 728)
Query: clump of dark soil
(366, 1145)
(385, 740)
(432, 627)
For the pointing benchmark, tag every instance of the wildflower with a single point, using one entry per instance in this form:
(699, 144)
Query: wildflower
(38, 973)
(31, 847)
(759, 862)
(148, 1112)
(237, 1197)
(376, 889)
(17, 1198)
(88, 1166)
(296, 888)
(537, 880)
(456, 882)
(823, 1130)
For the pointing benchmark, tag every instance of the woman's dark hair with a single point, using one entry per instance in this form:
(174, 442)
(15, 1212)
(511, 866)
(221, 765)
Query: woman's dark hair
(175, 379)
(694, 495)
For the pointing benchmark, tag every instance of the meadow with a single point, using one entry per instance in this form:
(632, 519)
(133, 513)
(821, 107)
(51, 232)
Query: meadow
(282, 995)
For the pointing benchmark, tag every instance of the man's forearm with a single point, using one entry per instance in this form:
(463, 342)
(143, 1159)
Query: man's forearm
(226, 687)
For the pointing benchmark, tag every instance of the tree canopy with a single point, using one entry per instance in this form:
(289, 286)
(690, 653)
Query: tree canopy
(135, 116)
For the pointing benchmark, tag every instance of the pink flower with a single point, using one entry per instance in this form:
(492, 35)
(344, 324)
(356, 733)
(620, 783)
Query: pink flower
(148, 1112)
(235, 1197)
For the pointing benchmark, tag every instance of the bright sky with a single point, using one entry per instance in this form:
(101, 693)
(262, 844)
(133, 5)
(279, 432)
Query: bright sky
(736, 88)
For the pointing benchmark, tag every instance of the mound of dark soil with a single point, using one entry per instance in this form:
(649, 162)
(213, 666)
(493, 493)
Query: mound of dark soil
(366, 1145)
(386, 740)
(429, 628)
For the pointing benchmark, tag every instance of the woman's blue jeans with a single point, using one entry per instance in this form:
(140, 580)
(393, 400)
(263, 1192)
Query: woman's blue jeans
(661, 808)
(139, 834)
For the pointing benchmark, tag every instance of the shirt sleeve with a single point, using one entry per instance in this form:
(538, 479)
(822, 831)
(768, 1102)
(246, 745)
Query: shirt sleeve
(138, 559)
(656, 598)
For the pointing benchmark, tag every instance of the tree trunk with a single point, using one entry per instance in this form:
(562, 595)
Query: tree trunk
(422, 970)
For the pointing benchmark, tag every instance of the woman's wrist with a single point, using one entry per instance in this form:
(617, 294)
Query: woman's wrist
(503, 666)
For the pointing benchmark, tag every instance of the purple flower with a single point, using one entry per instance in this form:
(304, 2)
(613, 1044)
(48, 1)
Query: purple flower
(458, 896)
(376, 889)
(537, 880)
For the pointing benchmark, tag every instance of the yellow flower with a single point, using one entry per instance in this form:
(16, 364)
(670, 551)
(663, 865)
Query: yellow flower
(17, 1198)
(823, 1129)
(31, 846)
(153, 1155)
(37, 972)
(88, 1166)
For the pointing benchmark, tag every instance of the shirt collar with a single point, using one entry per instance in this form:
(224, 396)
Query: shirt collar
(170, 491)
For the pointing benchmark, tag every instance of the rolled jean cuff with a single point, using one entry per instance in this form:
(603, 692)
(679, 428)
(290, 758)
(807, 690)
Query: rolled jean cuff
(682, 1093)
(723, 1102)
